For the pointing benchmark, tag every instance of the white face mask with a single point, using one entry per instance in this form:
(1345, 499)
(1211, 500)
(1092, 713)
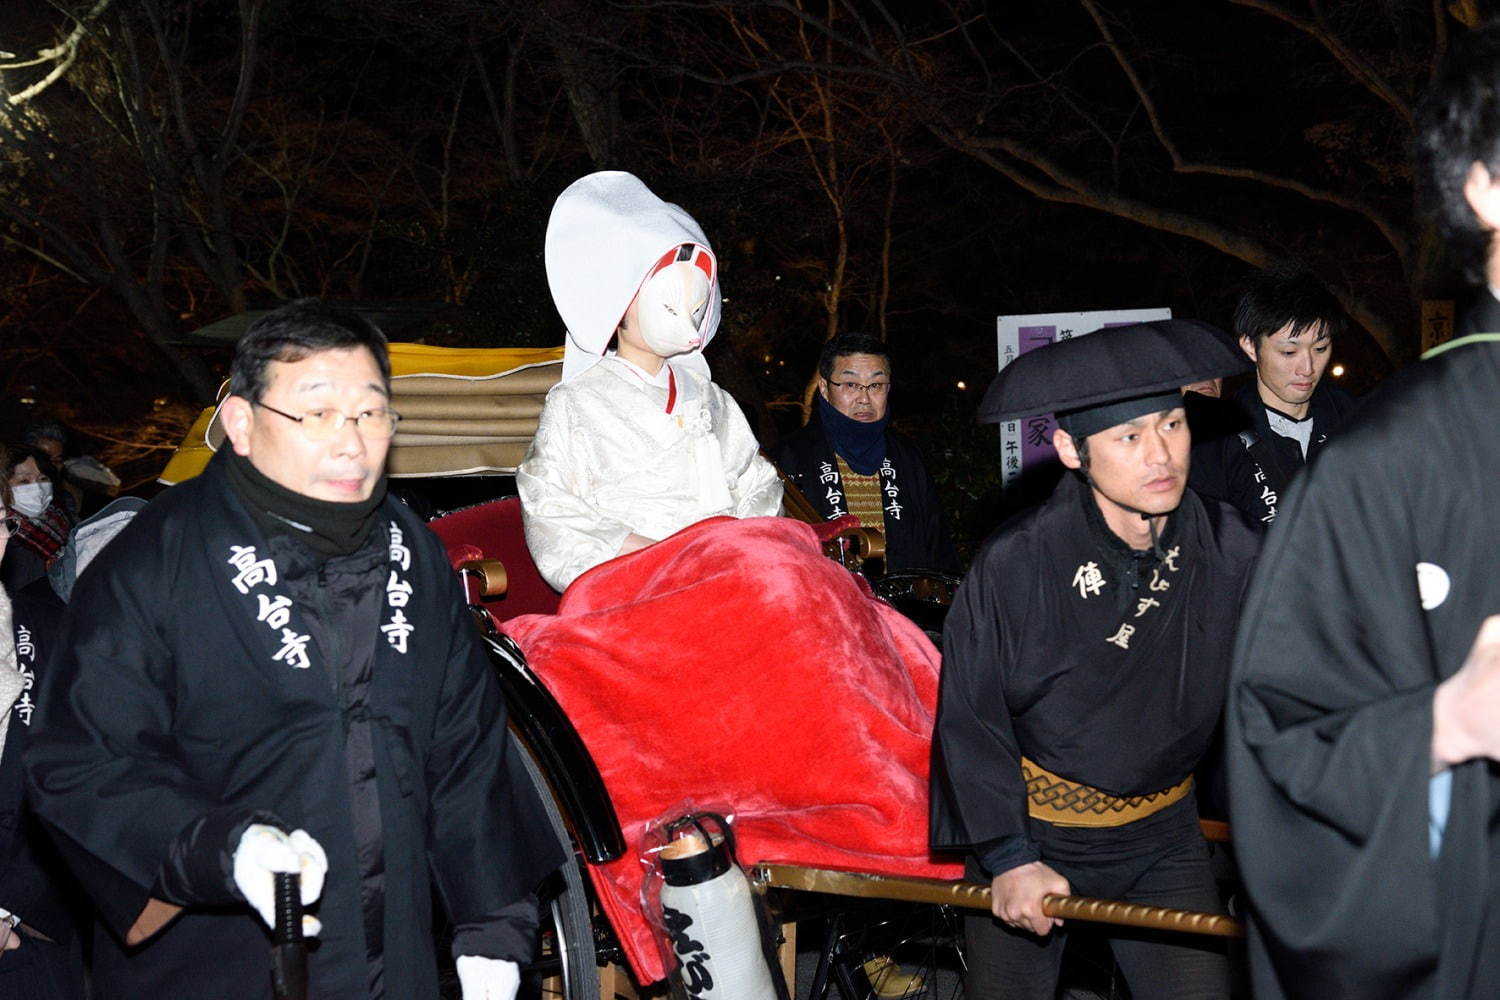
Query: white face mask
(30, 499)
(671, 308)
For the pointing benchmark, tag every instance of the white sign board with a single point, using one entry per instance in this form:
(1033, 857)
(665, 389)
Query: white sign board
(1028, 442)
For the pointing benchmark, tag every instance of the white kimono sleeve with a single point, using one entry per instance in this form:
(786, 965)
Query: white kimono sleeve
(566, 534)
(757, 488)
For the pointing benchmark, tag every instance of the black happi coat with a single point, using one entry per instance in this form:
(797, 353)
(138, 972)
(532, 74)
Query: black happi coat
(1032, 664)
(916, 531)
(1330, 716)
(198, 678)
(1246, 463)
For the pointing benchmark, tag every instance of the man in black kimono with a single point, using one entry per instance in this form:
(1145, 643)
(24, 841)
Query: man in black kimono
(1363, 717)
(846, 460)
(1270, 427)
(270, 666)
(1085, 663)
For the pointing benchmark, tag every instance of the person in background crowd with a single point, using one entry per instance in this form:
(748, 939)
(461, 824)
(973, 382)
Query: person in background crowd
(46, 517)
(39, 956)
(846, 460)
(1362, 724)
(1287, 321)
(48, 438)
(87, 480)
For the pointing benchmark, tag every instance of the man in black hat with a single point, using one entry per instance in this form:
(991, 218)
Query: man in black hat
(1287, 321)
(846, 460)
(1362, 736)
(1085, 663)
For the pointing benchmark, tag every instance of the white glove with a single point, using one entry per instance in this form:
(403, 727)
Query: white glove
(9, 939)
(263, 850)
(488, 978)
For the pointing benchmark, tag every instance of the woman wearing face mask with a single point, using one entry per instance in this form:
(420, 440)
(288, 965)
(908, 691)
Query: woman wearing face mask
(39, 956)
(46, 517)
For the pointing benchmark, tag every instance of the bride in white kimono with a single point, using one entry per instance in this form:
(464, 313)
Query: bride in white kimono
(635, 443)
(699, 632)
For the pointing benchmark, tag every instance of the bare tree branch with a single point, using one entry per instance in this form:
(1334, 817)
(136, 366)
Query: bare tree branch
(1066, 188)
(1387, 227)
(62, 56)
(1357, 67)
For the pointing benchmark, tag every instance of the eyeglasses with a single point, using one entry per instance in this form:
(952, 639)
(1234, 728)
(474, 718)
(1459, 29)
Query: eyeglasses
(873, 388)
(321, 425)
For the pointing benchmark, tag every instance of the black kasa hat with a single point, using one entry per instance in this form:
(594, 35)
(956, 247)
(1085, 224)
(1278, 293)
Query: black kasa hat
(1112, 375)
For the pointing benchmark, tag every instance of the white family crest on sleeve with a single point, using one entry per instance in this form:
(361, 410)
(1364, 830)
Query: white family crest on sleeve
(1433, 585)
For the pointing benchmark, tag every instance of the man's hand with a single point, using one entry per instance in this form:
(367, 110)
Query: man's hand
(1466, 707)
(488, 978)
(264, 850)
(1016, 897)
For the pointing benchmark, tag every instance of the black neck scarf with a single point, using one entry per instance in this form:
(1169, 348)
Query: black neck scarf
(328, 528)
(860, 444)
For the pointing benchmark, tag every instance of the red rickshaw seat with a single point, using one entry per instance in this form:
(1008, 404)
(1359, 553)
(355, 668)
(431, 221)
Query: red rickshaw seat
(493, 531)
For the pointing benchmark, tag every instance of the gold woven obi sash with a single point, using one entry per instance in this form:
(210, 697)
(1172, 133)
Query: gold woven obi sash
(1056, 800)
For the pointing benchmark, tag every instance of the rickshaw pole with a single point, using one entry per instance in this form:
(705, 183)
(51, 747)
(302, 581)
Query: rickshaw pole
(977, 897)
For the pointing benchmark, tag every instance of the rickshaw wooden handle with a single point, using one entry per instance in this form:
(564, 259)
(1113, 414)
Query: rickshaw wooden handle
(864, 543)
(975, 896)
(1159, 918)
(490, 573)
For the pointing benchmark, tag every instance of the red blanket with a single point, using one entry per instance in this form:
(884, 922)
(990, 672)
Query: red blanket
(732, 663)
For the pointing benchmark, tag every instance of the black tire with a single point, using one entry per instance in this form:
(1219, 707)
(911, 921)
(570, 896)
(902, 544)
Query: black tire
(570, 909)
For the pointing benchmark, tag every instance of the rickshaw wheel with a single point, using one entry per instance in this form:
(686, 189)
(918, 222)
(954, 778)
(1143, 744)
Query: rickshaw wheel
(570, 939)
(882, 950)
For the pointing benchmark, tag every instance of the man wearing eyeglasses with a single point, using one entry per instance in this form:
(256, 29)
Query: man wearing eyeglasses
(847, 461)
(270, 670)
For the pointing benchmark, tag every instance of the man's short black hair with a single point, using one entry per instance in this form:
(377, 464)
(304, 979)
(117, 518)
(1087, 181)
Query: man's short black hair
(850, 343)
(296, 331)
(1287, 293)
(41, 431)
(1458, 125)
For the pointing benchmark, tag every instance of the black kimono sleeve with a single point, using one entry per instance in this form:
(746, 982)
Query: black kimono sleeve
(1330, 724)
(490, 843)
(978, 796)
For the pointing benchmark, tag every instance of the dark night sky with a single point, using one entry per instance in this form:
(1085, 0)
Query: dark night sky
(365, 91)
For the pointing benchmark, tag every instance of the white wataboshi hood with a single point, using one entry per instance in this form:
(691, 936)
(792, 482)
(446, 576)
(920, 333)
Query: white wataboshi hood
(607, 232)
